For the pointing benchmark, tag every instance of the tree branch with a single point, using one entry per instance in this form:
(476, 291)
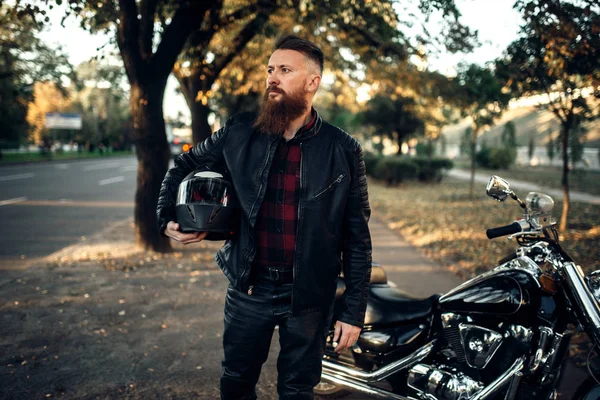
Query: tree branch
(184, 22)
(251, 29)
(127, 34)
(147, 12)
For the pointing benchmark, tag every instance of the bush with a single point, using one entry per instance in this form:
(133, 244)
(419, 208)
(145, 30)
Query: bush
(431, 169)
(371, 161)
(495, 157)
(395, 169)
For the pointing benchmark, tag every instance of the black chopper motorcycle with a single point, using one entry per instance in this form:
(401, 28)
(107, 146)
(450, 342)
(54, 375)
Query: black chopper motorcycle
(502, 335)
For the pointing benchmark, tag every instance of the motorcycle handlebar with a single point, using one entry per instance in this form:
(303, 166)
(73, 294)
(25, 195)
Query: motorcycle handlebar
(515, 227)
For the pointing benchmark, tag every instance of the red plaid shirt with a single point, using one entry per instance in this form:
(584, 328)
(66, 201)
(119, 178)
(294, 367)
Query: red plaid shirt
(278, 216)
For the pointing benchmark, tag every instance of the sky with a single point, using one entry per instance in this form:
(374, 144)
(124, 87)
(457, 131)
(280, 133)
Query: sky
(495, 20)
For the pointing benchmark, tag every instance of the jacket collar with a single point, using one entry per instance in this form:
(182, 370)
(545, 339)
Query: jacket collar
(314, 129)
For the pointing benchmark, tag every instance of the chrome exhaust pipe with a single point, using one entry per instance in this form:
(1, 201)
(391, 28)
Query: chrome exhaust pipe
(363, 388)
(341, 371)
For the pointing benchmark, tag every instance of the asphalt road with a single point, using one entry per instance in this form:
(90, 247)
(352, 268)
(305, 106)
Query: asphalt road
(45, 207)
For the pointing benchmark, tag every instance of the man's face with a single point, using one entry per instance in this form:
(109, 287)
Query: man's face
(289, 72)
(291, 81)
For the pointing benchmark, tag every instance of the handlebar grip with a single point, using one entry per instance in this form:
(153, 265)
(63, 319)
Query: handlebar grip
(515, 227)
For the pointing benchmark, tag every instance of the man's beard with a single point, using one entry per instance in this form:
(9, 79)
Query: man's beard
(275, 116)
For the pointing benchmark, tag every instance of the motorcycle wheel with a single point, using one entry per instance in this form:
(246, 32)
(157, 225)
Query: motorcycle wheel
(328, 390)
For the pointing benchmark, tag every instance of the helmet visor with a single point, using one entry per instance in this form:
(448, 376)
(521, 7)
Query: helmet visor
(205, 191)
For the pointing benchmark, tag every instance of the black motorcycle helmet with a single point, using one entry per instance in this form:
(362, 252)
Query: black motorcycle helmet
(206, 202)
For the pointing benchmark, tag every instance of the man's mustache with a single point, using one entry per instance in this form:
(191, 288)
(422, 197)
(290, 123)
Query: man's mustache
(275, 89)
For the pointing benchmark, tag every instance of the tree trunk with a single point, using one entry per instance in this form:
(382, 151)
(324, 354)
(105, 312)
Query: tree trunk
(565, 177)
(190, 86)
(473, 153)
(153, 160)
(201, 129)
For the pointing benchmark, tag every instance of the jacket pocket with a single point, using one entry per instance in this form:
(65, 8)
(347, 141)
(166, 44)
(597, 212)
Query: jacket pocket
(332, 185)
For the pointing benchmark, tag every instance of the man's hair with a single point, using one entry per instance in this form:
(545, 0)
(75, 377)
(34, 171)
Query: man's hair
(308, 48)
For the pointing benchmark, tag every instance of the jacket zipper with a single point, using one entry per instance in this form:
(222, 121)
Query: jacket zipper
(335, 182)
(297, 232)
(252, 210)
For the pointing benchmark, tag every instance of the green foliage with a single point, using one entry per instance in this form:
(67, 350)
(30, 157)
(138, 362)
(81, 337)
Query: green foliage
(465, 142)
(393, 116)
(426, 148)
(24, 60)
(495, 157)
(576, 143)
(396, 169)
(479, 95)
(431, 169)
(371, 161)
(509, 135)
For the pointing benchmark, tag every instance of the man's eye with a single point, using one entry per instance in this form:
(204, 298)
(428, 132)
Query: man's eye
(285, 70)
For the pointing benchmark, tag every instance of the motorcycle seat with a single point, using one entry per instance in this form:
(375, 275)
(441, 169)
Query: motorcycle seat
(389, 305)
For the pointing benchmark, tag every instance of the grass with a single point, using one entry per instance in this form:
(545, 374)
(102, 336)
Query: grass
(448, 227)
(39, 157)
(580, 180)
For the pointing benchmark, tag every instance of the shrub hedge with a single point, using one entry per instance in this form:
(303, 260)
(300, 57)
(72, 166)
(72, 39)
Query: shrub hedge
(495, 157)
(395, 169)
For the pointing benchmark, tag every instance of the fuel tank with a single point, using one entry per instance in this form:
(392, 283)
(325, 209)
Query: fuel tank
(510, 288)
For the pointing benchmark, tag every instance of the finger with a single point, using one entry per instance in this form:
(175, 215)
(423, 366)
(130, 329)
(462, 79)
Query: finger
(172, 226)
(184, 237)
(336, 333)
(343, 343)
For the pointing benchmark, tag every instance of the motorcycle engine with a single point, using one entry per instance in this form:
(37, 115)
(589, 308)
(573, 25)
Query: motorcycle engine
(466, 364)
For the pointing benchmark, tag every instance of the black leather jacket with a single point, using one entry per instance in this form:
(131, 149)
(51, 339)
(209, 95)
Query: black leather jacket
(333, 210)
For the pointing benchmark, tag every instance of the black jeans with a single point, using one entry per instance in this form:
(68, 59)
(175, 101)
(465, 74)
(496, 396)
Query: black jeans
(249, 324)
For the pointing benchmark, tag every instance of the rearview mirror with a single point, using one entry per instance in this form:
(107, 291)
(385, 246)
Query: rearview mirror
(497, 188)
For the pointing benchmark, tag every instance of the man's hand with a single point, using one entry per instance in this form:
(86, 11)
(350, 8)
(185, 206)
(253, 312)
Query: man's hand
(172, 231)
(349, 336)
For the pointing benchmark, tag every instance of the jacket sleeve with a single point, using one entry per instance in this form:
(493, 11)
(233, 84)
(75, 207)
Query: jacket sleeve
(357, 246)
(206, 153)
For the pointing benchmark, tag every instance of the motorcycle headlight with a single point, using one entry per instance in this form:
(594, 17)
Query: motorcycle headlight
(593, 282)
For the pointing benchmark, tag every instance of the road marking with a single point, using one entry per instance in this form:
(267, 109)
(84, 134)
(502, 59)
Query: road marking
(19, 176)
(62, 166)
(129, 168)
(12, 201)
(95, 167)
(75, 203)
(111, 180)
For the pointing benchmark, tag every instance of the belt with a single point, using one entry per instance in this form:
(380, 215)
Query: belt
(279, 275)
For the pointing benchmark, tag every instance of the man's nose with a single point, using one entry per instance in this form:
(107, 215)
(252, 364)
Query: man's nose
(273, 80)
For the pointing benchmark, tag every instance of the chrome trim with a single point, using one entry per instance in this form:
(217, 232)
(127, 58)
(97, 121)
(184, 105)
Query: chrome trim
(545, 335)
(479, 344)
(520, 333)
(330, 367)
(511, 392)
(364, 388)
(522, 263)
(501, 381)
(450, 319)
(593, 282)
(442, 384)
(585, 301)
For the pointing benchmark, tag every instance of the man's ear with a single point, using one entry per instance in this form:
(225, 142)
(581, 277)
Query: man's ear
(313, 83)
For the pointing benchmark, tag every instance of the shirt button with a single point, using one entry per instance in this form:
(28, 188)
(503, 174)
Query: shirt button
(278, 230)
(281, 171)
(279, 201)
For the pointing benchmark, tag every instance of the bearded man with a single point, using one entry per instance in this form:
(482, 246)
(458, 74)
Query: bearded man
(303, 191)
